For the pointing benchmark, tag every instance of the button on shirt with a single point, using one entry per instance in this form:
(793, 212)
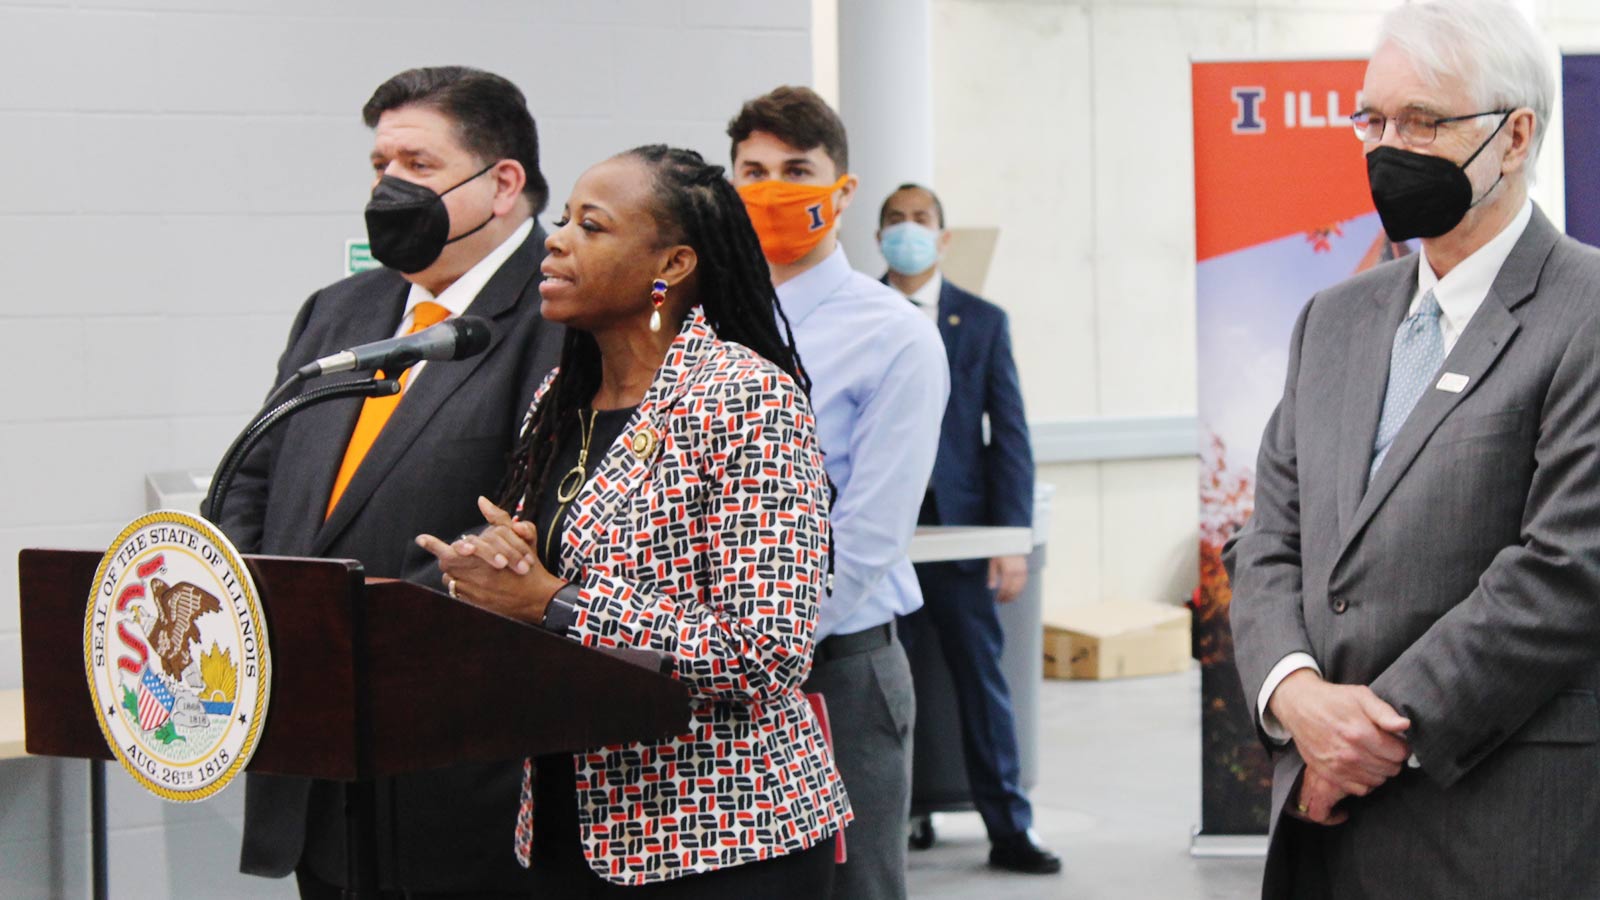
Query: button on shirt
(879, 386)
(461, 292)
(1460, 292)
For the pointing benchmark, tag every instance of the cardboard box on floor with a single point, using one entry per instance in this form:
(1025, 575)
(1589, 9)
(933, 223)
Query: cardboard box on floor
(1117, 640)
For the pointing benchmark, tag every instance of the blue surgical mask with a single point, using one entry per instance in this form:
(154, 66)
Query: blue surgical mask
(909, 248)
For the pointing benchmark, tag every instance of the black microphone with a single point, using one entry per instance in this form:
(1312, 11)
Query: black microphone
(456, 338)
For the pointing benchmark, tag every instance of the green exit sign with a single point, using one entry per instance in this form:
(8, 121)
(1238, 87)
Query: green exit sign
(358, 257)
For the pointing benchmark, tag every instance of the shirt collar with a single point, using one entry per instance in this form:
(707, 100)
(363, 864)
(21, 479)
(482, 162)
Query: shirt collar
(460, 294)
(928, 294)
(1462, 290)
(803, 293)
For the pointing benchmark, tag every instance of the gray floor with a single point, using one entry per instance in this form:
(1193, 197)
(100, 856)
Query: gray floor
(1118, 793)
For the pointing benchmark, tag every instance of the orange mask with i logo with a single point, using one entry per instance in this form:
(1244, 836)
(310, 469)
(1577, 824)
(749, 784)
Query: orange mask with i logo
(790, 219)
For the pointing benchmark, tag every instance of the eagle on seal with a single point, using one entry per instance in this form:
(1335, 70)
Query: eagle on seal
(175, 629)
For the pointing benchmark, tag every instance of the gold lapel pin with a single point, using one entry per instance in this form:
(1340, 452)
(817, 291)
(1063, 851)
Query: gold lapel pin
(643, 443)
(954, 320)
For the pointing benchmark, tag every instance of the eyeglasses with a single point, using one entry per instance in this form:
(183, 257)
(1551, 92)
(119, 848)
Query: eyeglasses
(1414, 128)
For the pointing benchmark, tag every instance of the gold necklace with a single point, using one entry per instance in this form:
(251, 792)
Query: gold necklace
(568, 488)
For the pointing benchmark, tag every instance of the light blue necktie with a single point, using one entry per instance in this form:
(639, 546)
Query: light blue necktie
(1414, 360)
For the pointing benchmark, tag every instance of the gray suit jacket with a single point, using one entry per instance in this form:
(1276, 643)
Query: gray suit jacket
(1462, 584)
(447, 442)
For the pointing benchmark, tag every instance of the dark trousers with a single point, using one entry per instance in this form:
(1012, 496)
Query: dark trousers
(872, 707)
(313, 888)
(439, 833)
(960, 609)
(561, 872)
(1303, 862)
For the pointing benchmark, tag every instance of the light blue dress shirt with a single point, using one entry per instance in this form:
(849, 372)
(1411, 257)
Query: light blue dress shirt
(880, 380)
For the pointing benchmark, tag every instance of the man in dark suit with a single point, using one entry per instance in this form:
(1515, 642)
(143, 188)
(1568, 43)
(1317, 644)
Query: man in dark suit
(1416, 600)
(456, 186)
(983, 475)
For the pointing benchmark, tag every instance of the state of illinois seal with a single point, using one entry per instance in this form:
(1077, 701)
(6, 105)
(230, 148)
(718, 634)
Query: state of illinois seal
(175, 647)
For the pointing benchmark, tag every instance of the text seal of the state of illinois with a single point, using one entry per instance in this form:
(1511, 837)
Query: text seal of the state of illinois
(175, 649)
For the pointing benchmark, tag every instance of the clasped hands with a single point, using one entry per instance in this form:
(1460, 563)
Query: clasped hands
(496, 569)
(1351, 740)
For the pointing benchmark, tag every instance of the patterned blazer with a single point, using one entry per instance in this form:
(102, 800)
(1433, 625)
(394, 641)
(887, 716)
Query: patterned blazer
(702, 534)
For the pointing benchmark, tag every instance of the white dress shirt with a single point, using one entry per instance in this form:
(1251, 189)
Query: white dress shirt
(460, 294)
(1460, 292)
(927, 297)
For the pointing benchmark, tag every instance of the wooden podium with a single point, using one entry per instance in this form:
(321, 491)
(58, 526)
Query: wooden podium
(370, 677)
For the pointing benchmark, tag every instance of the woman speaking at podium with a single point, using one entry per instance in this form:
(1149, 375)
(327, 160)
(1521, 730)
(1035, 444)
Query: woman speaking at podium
(668, 493)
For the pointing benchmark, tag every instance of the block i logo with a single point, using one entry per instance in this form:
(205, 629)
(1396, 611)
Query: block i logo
(1248, 101)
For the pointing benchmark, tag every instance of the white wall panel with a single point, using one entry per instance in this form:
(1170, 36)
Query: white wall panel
(1014, 138)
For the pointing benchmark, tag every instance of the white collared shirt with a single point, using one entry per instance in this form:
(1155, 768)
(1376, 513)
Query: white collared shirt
(1460, 292)
(927, 297)
(460, 294)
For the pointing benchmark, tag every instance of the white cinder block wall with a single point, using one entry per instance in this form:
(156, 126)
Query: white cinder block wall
(180, 175)
(1067, 124)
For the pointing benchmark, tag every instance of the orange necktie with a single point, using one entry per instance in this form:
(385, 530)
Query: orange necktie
(375, 412)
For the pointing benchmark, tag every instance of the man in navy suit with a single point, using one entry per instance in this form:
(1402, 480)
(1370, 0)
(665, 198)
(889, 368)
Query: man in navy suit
(983, 475)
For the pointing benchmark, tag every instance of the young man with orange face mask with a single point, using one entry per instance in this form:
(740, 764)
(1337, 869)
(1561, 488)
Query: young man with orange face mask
(879, 385)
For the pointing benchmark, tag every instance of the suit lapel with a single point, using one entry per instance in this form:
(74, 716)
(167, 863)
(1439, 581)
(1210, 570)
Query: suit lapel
(951, 305)
(1480, 345)
(1488, 334)
(322, 432)
(636, 450)
(438, 382)
(1370, 344)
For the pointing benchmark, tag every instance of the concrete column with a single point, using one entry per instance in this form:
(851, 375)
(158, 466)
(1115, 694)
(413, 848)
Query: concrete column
(886, 101)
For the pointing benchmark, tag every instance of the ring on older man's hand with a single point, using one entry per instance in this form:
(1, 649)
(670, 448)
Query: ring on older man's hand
(1299, 806)
(450, 588)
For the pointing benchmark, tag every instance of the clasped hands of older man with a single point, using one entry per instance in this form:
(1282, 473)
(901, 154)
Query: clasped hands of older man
(496, 569)
(1351, 740)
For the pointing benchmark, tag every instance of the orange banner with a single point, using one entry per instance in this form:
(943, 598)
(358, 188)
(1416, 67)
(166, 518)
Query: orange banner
(1282, 210)
(1274, 154)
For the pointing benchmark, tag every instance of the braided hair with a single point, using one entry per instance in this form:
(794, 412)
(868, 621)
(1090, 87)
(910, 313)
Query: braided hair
(693, 204)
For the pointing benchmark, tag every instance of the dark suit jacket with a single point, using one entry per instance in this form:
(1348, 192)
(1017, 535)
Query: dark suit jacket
(1462, 584)
(978, 482)
(447, 442)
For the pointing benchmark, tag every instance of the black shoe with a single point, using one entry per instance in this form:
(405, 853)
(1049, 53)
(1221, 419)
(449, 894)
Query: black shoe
(1018, 853)
(922, 834)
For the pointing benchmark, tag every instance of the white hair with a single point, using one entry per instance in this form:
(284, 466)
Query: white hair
(1489, 45)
